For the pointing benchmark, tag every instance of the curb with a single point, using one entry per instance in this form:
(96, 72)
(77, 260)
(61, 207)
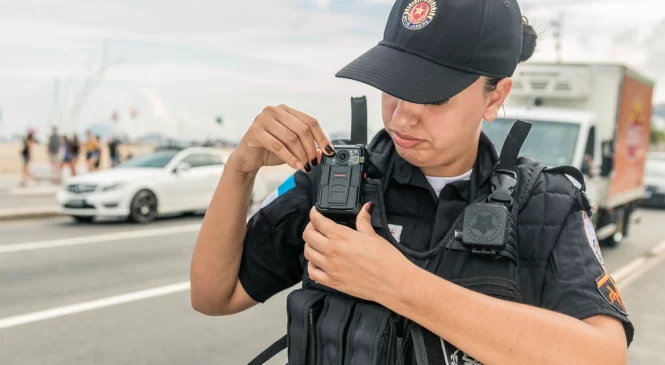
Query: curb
(17, 214)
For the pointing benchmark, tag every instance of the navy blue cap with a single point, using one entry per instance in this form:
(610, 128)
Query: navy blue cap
(432, 50)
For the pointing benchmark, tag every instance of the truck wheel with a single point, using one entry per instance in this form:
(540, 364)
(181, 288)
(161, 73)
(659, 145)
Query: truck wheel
(626, 220)
(619, 219)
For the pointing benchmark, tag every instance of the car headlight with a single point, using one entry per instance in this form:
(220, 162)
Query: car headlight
(113, 187)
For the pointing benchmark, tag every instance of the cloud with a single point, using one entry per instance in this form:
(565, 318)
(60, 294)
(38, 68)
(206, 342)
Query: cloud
(201, 58)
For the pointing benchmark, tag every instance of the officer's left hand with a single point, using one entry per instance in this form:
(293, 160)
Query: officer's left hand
(357, 262)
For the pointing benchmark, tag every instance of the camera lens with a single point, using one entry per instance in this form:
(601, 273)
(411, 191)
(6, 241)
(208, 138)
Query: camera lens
(342, 156)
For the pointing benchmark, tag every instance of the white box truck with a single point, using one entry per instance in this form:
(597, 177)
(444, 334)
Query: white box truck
(595, 117)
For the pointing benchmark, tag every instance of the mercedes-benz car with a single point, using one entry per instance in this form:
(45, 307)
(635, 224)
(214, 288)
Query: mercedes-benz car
(148, 186)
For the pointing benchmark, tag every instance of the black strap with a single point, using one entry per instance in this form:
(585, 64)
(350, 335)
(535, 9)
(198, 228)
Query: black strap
(359, 120)
(511, 147)
(504, 178)
(270, 352)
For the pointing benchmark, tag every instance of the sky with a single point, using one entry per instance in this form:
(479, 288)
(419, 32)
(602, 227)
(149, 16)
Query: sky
(183, 63)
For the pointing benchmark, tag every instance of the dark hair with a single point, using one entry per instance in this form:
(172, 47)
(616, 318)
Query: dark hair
(529, 38)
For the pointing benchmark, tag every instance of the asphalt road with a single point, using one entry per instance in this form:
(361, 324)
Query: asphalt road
(118, 294)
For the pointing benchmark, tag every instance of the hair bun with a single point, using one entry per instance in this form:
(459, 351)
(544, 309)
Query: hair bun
(529, 38)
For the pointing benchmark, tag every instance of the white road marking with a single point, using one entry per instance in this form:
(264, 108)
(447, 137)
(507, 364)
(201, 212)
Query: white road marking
(73, 241)
(623, 277)
(639, 266)
(94, 304)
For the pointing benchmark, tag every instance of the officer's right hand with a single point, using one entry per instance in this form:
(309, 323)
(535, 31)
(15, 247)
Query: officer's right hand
(281, 135)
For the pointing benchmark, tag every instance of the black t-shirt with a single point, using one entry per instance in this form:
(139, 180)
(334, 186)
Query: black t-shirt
(574, 275)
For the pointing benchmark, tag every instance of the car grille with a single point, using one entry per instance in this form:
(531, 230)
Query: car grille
(81, 188)
(83, 205)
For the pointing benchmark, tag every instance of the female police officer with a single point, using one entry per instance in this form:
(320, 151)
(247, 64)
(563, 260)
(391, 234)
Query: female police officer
(443, 67)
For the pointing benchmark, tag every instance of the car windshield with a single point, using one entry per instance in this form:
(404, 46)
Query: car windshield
(550, 143)
(152, 160)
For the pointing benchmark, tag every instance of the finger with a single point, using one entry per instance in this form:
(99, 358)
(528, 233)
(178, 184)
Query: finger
(288, 139)
(273, 145)
(301, 129)
(322, 224)
(315, 257)
(317, 274)
(319, 135)
(315, 239)
(364, 219)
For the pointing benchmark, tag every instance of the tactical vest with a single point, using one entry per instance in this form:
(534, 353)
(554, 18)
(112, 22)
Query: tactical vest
(327, 327)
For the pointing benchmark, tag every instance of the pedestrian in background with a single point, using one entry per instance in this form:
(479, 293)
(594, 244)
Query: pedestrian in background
(65, 147)
(113, 151)
(26, 154)
(98, 151)
(54, 153)
(91, 151)
(75, 151)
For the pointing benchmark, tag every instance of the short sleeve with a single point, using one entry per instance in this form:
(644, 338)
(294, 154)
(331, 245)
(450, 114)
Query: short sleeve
(577, 283)
(273, 245)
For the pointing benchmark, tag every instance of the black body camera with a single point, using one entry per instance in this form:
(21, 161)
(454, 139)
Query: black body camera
(489, 227)
(341, 188)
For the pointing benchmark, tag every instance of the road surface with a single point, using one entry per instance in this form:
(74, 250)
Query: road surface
(117, 293)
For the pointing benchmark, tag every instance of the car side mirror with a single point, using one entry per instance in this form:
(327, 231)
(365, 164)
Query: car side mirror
(608, 158)
(182, 167)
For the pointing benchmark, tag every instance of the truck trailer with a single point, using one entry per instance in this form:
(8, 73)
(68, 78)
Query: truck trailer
(595, 117)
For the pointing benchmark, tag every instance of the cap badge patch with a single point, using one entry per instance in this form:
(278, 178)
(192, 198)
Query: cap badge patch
(418, 14)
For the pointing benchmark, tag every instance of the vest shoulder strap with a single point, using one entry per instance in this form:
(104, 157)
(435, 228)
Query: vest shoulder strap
(525, 189)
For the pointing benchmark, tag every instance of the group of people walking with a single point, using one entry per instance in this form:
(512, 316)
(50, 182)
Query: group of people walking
(64, 152)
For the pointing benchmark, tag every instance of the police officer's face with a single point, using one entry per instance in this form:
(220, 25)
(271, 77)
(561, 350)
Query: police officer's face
(434, 137)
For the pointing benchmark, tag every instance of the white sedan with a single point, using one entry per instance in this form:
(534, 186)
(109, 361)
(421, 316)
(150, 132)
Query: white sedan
(147, 186)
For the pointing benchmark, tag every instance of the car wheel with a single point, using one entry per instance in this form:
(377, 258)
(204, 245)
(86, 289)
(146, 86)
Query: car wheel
(143, 208)
(83, 218)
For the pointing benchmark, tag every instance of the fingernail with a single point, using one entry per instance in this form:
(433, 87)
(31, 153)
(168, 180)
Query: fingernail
(308, 168)
(329, 150)
(370, 207)
(314, 162)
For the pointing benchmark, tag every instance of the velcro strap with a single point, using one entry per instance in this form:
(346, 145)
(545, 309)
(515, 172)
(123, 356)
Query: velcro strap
(420, 356)
(371, 336)
(302, 312)
(331, 329)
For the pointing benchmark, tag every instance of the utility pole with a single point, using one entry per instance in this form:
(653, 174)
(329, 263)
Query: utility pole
(556, 24)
